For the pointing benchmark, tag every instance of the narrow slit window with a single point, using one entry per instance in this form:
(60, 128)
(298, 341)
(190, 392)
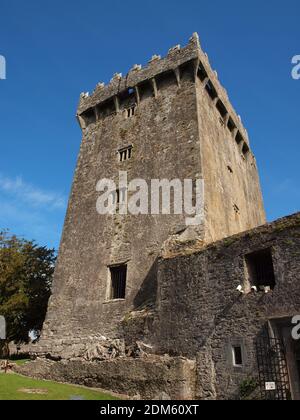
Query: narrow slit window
(116, 197)
(236, 209)
(237, 356)
(261, 269)
(119, 196)
(118, 282)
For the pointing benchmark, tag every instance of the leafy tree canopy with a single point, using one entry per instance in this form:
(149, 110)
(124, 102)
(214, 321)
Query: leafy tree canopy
(26, 272)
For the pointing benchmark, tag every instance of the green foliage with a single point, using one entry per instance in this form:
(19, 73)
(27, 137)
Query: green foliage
(26, 272)
(247, 388)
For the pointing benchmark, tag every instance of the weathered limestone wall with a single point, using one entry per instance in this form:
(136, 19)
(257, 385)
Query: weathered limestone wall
(231, 177)
(211, 315)
(154, 378)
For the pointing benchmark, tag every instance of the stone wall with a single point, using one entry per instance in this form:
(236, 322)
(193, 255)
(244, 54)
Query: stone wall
(198, 317)
(211, 315)
(151, 378)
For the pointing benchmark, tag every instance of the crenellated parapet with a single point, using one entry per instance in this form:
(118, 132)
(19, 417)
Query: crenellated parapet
(105, 100)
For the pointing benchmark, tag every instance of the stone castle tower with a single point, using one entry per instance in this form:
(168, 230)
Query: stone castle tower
(170, 119)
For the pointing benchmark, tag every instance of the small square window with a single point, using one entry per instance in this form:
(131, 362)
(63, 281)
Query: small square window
(118, 277)
(237, 356)
(261, 269)
(125, 154)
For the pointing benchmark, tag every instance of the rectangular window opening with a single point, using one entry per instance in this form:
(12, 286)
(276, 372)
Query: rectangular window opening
(118, 282)
(106, 109)
(125, 154)
(221, 108)
(210, 89)
(245, 149)
(89, 116)
(202, 73)
(237, 355)
(117, 197)
(261, 269)
(231, 126)
(131, 111)
(239, 138)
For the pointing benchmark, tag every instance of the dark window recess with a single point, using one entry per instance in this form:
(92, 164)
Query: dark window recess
(116, 197)
(130, 112)
(236, 209)
(118, 282)
(239, 138)
(230, 169)
(146, 90)
(125, 154)
(202, 73)
(245, 149)
(106, 109)
(211, 90)
(231, 126)
(89, 116)
(119, 196)
(261, 269)
(165, 80)
(237, 354)
(221, 108)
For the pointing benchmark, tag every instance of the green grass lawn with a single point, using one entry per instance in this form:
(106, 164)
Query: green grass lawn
(20, 362)
(16, 387)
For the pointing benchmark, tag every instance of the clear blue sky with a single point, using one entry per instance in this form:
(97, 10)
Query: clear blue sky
(57, 49)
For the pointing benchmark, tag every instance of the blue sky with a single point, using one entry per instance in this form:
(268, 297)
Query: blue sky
(57, 49)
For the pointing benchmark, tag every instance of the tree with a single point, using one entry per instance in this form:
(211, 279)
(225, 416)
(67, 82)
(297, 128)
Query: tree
(26, 272)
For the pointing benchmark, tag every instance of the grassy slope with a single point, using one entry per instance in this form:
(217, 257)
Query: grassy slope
(11, 384)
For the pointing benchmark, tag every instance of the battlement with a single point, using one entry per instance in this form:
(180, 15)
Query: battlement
(105, 100)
